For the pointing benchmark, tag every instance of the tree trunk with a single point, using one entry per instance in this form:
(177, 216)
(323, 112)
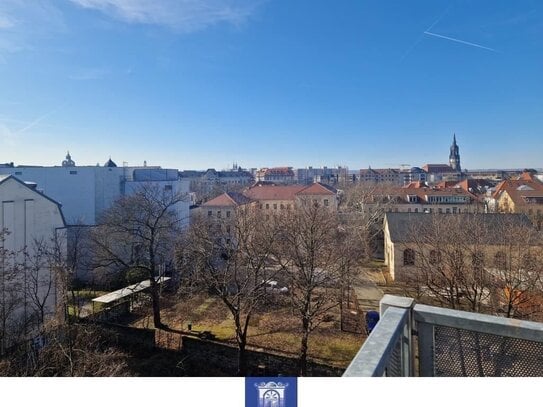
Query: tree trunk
(242, 360)
(156, 305)
(241, 338)
(303, 348)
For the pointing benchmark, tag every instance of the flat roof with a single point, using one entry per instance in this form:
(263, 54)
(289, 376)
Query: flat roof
(126, 291)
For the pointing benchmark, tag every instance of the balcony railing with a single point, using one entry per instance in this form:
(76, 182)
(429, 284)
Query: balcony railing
(447, 342)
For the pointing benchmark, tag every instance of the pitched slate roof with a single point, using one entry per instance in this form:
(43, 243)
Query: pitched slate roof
(401, 225)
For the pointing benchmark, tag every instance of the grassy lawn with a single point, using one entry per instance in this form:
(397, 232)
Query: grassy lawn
(274, 328)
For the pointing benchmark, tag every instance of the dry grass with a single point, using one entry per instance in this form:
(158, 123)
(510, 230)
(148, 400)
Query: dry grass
(274, 328)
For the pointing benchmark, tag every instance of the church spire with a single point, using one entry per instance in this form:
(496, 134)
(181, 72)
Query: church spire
(454, 156)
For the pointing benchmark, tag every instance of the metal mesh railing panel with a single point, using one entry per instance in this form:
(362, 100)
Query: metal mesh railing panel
(459, 352)
(394, 366)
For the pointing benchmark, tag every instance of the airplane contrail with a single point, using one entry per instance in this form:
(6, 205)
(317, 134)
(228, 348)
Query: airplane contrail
(459, 41)
(412, 47)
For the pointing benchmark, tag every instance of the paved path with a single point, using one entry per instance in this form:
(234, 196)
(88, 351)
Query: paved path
(368, 293)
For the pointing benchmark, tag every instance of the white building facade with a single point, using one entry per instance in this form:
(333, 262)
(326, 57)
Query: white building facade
(31, 225)
(86, 191)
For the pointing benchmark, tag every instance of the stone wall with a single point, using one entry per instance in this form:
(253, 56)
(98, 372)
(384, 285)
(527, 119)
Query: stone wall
(207, 358)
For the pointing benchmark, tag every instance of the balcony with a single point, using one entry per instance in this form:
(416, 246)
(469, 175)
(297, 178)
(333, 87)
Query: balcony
(420, 340)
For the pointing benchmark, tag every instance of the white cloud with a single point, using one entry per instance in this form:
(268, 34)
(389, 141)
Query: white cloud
(24, 22)
(181, 15)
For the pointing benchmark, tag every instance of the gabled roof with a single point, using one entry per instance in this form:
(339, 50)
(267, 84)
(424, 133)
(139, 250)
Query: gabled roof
(32, 187)
(401, 225)
(518, 188)
(273, 192)
(318, 189)
(228, 199)
(415, 184)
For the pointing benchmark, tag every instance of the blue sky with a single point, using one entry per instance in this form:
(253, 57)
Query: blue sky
(204, 83)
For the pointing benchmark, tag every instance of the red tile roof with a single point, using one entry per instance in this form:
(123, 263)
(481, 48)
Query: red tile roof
(317, 189)
(273, 192)
(228, 199)
(287, 171)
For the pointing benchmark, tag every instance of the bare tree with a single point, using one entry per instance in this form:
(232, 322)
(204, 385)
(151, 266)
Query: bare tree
(476, 262)
(448, 253)
(11, 298)
(364, 206)
(39, 283)
(233, 259)
(517, 267)
(309, 256)
(67, 350)
(138, 233)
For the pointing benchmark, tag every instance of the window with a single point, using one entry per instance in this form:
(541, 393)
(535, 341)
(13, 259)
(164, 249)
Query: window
(227, 214)
(448, 210)
(282, 206)
(274, 206)
(408, 257)
(167, 187)
(416, 210)
(261, 206)
(288, 206)
(267, 206)
(73, 172)
(455, 209)
(218, 214)
(228, 229)
(209, 214)
(326, 203)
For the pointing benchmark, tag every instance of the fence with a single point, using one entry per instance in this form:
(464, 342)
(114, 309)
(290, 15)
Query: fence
(448, 343)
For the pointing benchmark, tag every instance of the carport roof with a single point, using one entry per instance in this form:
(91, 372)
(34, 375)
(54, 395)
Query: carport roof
(127, 291)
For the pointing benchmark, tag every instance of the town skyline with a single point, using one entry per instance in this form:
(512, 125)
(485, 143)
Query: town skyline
(271, 83)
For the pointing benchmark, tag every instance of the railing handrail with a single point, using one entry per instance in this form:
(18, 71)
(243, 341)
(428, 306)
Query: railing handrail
(374, 355)
(471, 321)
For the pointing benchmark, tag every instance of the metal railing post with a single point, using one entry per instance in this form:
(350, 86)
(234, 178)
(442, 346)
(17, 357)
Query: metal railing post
(407, 348)
(426, 349)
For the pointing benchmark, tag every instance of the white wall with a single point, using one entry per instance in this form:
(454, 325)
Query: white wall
(73, 187)
(28, 216)
(87, 191)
